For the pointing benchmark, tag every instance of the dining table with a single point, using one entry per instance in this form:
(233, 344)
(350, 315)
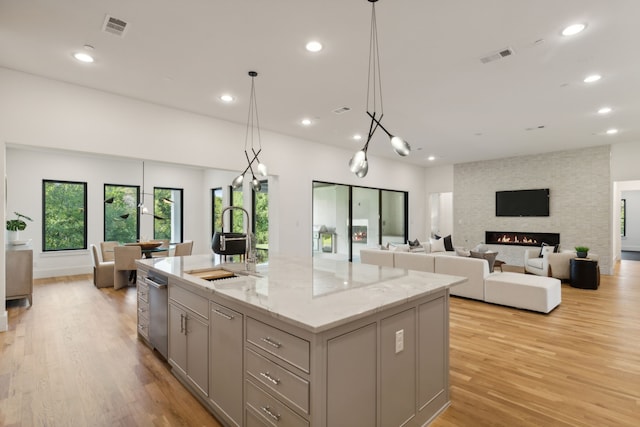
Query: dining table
(149, 248)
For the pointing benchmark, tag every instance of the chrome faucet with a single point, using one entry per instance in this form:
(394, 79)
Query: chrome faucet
(250, 251)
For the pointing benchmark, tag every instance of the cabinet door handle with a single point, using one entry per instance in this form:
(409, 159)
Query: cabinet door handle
(222, 314)
(268, 377)
(267, 410)
(271, 342)
(182, 323)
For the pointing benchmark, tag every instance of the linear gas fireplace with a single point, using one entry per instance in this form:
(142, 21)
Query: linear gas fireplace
(521, 238)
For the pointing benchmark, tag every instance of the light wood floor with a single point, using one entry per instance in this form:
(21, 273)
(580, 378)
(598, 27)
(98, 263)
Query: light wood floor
(73, 359)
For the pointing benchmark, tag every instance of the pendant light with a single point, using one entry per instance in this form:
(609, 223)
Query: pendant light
(143, 209)
(359, 163)
(253, 131)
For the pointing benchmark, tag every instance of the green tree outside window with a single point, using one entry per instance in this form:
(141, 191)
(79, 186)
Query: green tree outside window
(65, 215)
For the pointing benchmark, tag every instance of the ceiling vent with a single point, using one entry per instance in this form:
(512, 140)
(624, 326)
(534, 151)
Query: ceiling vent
(501, 54)
(114, 26)
(342, 110)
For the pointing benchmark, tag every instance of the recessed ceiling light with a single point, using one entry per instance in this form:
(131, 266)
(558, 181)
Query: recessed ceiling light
(83, 57)
(573, 29)
(305, 122)
(592, 78)
(226, 98)
(604, 110)
(431, 158)
(612, 131)
(357, 137)
(314, 46)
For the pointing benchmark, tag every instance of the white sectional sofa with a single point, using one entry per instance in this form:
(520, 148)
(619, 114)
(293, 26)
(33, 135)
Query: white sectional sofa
(529, 292)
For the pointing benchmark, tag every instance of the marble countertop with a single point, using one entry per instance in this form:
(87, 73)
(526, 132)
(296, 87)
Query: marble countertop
(314, 294)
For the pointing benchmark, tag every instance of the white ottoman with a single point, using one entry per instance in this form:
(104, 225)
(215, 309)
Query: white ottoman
(531, 292)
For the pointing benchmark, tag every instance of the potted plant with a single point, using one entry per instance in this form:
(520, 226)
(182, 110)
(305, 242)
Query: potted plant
(582, 251)
(16, 225)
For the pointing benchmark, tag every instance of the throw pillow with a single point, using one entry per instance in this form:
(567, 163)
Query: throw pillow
(546, 249)
(437, 245)
(448, 245)
(543, 249)
(413, 244)
(462, 252)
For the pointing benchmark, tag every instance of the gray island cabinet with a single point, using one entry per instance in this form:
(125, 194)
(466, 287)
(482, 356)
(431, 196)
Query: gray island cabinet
(309, 343)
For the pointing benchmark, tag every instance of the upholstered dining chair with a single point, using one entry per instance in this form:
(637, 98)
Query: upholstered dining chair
(183, 249)
(125, 265)
(102, 270)
(106, 248)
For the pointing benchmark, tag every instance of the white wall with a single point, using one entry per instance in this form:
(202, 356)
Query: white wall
(26, 168)
(580, 200)
(49, 114)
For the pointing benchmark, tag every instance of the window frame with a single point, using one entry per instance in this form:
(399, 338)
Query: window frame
(181, 213)
(104, 209)
(84, 246)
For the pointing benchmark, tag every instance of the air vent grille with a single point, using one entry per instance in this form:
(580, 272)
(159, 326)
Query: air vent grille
(342, 110)
(115, 26)
(502, 53)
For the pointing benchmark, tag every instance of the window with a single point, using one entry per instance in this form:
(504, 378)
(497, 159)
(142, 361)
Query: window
(216, 206)
(167, 214)
(121, 213)
(237, 216)
(623, 217)
(261, 221)
(64, 209)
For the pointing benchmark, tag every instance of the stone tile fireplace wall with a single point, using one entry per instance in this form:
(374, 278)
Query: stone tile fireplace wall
(580, 201)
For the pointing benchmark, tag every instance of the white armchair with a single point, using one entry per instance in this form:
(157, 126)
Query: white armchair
(535, 264)
(556, 264)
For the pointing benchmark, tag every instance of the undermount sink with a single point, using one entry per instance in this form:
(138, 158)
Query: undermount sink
(213, 274)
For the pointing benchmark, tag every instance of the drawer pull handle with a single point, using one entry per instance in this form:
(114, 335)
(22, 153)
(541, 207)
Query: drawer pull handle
(268, 376)
(267, 410)
(271, 342)
(220, 313)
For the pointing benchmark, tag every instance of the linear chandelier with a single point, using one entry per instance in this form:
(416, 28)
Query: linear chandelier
(359, 163)
(253, 130)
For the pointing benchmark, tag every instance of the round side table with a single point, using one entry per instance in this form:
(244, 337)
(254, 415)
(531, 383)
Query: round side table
(585, 273)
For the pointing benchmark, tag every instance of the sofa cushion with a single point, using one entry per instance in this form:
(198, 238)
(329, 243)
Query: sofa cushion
(462, 252)
(526, 291)
(475, 270)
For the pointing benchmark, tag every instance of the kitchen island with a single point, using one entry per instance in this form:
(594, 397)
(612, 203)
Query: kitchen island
(305, 342)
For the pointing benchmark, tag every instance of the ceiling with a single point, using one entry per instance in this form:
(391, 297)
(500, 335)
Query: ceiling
(438, 94)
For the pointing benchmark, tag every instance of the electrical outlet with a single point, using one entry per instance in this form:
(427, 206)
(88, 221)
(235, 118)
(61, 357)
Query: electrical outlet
(399, 341)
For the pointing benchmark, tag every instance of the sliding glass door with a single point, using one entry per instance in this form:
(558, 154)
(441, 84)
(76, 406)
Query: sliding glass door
(348, 218)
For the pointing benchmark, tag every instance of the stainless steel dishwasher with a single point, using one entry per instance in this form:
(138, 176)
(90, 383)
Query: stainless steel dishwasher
(158, 305)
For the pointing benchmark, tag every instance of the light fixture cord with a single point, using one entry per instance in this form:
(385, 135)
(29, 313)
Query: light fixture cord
(253, 122)
(374, 86)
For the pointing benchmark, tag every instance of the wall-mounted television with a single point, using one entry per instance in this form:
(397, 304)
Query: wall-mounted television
(523, 202)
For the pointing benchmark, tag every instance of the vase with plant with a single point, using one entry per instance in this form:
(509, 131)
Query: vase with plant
(582, 251)
(16, 225)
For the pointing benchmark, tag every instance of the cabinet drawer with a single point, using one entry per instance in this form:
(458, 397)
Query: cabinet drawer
(143, 290)
(288, 347)
(143, 311)
(270, 410)
(287, 386)
(143, 326)
(193, 302)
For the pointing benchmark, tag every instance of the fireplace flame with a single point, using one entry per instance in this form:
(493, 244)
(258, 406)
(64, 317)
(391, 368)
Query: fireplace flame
(516, 239)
